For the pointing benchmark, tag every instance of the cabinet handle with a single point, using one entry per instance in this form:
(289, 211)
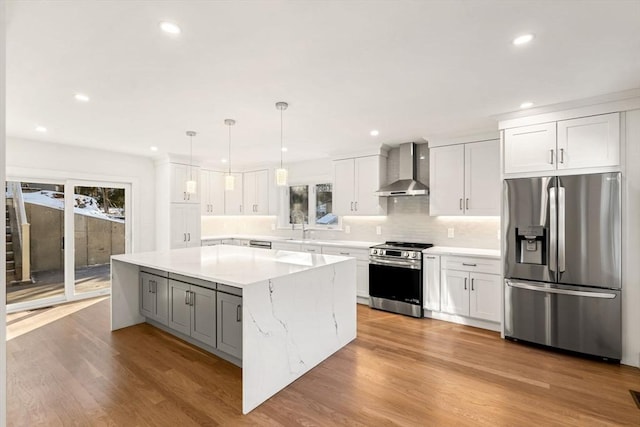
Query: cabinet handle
(469, 265)
(551, 156)
(466, 206)
(150, 286)
(562, 155)
(356, 205)
(344, 253)
(460, 203)
(472, 284)
(192, 298)
(184, 237)
(186, 297)
(184, 195)
(239, 313)
(189, 238)
(465, 283)
(351, 206)
(431, 257)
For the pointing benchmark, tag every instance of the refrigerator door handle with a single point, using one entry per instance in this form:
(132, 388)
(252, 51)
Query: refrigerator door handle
(553, 238)
(602, 295)
(561, 230)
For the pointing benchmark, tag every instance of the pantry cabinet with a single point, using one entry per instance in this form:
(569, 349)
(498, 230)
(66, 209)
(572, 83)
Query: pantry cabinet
(211, 193)
(465, 179)
(585, 142)
(355, 182)
(256, 192)
(233, 199)
(185, 225)
(179, 175)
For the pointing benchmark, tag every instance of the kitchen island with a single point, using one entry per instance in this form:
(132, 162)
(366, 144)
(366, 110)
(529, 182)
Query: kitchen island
(296, 308)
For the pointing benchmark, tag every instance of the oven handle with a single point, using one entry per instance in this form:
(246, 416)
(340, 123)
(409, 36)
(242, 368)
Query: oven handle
(402, 264)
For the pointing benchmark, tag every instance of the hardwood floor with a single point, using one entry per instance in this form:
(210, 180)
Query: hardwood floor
(399, 371)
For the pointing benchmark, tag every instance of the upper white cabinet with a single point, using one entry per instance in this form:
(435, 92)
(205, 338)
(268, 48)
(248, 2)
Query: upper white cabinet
(256, 192)
(589, 142)
(233, 202)
(586, 142)
(211, 192)
(355, 182)
(179, 175)
(465, 179)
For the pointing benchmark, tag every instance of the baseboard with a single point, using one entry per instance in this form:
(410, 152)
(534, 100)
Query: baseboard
(462, 320)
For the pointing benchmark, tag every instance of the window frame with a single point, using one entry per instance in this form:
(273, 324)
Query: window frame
(284, 213)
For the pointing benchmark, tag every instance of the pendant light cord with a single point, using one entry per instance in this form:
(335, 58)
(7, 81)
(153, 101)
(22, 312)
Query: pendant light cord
(229, 150)
(191, 157)
(281, 138)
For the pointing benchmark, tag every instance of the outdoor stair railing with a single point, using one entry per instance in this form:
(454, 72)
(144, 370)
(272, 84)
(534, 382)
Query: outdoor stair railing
(24, 229)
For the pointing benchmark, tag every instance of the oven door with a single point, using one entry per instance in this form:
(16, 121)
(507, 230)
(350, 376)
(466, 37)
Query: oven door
(396, 282)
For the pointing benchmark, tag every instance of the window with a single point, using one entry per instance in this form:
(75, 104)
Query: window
(310, 204)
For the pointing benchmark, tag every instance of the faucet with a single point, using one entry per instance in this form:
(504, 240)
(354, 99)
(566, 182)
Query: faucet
(304, 231)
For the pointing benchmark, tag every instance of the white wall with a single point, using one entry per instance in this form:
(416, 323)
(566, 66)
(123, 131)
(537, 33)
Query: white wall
(3, 306)
(44, 160)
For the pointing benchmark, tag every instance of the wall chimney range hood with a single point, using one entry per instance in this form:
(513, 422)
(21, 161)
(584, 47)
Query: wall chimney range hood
(407, 184)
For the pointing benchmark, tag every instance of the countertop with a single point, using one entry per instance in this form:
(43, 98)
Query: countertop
(480, 253)
(355, 244)
(236, 266)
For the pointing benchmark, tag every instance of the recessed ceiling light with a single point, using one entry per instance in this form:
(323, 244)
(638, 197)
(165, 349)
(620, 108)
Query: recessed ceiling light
(284, 149)
(169, 27)
(374, 133)
(523, 39)
(41, 129)
(224, 160)
(153, 148)
(81, 97)
(526, 104)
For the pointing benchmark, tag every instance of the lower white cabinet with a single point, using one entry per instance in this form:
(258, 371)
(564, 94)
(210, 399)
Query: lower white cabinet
(229, 324)
(464, 286)
(192, 311)
(154, 296)
(362, 267)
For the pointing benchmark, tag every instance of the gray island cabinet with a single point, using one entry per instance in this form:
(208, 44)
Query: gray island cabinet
(276, 314)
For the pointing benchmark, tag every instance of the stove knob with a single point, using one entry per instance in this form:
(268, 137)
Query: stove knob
(406, 254)
(375, 252)
(413, 254)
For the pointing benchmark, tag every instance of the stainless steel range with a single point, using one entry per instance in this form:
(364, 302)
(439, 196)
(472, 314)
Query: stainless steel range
(395, 277)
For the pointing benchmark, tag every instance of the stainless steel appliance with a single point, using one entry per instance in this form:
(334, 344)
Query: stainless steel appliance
(563, 262)
(262, 244)
(395, 277)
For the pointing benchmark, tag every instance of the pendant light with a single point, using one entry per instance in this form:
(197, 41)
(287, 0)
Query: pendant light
(192, 185)
(229, 180)
(281, 172)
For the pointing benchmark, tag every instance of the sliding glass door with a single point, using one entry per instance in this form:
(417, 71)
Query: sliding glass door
(60, 237)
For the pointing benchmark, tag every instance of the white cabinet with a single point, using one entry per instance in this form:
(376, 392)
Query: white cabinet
(355, 181)
(229, 324)
(185, 225)
(589, 142)
(471, 287)
(211, 192)
(179, 175)
(233, 203)
(530, 148)
(431, 282)
(154, 297)
(362, 268)
(586, 142)
(464, 179)
(256, 192)
(192, 311)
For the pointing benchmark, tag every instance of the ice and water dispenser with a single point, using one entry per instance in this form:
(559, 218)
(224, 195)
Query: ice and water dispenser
(531, 245)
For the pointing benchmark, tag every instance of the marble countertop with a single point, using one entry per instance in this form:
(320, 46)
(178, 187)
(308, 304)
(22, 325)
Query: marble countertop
(446, 250)
(356, 244)
(236, 266)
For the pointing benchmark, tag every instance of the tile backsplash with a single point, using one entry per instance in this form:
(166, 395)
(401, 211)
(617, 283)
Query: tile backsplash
(407, 220)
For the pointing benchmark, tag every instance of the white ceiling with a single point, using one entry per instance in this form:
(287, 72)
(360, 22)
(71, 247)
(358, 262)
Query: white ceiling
(410, 69)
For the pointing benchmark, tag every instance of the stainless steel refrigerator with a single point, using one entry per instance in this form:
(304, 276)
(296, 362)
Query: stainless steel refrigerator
(563, 262)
